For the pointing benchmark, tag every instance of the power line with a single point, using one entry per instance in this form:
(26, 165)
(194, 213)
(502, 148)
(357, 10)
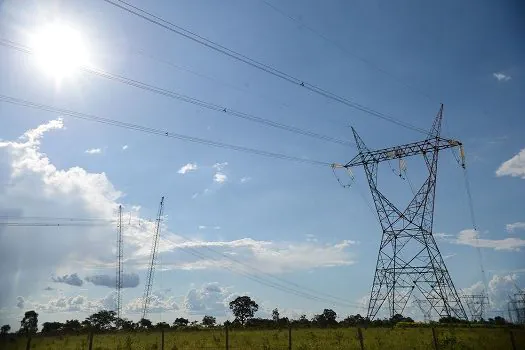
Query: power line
(256, 64)
(343, 49)
(158, 132)
(262, 280)
(267, 274)
(189, 99)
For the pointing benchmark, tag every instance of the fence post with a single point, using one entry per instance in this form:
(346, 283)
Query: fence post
(162, 339)
(227, 338)
(360, 335)
(28, 344)
(512, 341)
(90, 341)
(289, 337)
(434, 338)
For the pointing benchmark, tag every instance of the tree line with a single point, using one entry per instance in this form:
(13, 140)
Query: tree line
(243, 309)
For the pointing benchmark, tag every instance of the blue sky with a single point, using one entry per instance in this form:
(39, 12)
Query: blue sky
(287, 219)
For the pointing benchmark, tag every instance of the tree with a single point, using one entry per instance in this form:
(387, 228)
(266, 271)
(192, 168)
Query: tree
(243, 308)
(353, 320)
(328, 317)
(145, 323)
(162, 325)
(275, 315)
(52, 327)
(180, 322)
(72, 326)
(29, 324)
(208, 321)
(5, 329)
(102, 320)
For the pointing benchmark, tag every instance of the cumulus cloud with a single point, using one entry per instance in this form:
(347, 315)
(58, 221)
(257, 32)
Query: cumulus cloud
(499, 289)
(160, 301)
(93, 151)
(188, 168)
(72, 280)
(501, 77)
(77, 303)
(38, 188)
(471, 237)
(129, 280)
(220, 176)
(210, 299)
(515, 226)
(125, 147)
(20, 301)
(514, 167)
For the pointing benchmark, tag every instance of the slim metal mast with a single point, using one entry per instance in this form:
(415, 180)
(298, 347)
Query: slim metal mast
(153, 259)
(120, 254)
(409, 258)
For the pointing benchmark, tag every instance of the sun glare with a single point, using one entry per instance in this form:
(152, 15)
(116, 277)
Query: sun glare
(59, 50)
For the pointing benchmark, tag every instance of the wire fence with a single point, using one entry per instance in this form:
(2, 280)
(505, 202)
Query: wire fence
(437, 338)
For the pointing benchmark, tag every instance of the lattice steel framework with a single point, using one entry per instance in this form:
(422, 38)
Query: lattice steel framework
(425, 308)
(409, 258)
(120, 254)
(517, 308)
(153, 260)
(476, 305)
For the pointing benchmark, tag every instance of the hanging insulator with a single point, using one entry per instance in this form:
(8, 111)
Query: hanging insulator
(462, 154)
(350, 173)
(402, 165)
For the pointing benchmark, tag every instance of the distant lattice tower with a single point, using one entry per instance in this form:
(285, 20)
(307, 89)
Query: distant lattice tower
(476, 305)
(409, 258)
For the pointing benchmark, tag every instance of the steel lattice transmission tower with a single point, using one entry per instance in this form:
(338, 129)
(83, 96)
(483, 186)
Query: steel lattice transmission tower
(476, 305)
(153, 260)
(424, 307)
(120, 254)
(409, 258)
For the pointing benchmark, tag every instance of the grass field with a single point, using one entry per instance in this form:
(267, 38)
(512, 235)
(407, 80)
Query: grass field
(302, 339)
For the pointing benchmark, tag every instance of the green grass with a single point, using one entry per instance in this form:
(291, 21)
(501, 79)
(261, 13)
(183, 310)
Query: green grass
(302, 339)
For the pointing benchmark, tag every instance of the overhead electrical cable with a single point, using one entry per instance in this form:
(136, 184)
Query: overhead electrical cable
(158, 132)
(344, 49)
(256, 64)
(260, 279)
(267, 274)
(189, 99)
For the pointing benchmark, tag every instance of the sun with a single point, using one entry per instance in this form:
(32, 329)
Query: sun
(59, 50)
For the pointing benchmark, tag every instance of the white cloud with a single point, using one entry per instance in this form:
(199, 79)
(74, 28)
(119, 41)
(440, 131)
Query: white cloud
(72, 280)
(220, 166)
(514, 167)
(159, 302)
(515, 226)
(77, 303)
(38, 188)
(441, 235)
(187, 168)
(210, 299)
(245, 179)
(267, 256)
(499, 289)
(471, 237)
(93, 151)
(220, 178)
(501, 77)
(125, 147)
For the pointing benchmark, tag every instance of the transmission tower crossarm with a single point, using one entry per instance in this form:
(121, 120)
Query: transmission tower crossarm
(402, 151)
